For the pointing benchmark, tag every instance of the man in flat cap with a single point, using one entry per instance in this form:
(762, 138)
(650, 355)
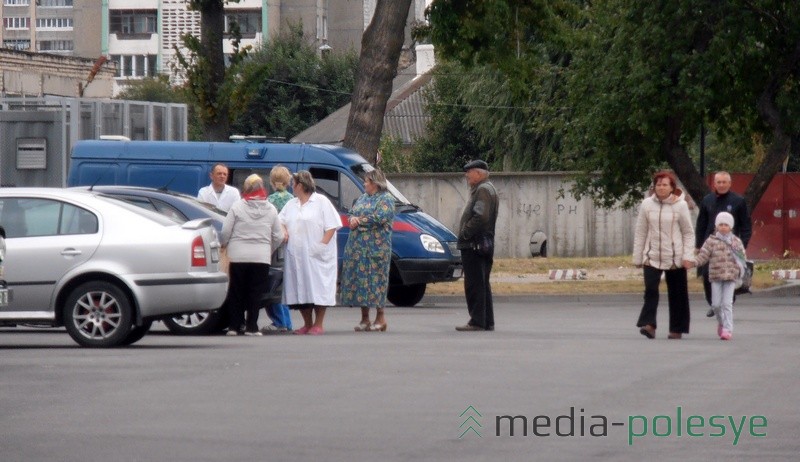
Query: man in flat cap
(476, 241)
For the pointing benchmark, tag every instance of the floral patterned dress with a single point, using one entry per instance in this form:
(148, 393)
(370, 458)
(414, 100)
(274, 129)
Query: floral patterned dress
(368, 253)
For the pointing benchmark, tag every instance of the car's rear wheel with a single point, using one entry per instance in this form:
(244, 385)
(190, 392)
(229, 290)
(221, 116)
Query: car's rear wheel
(137, 333)
(198, 323)
(98, 314)
(406, 295)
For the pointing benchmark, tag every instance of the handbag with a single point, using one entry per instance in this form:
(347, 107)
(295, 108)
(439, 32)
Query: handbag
(484, 245)
(743, 283)
(274, 281)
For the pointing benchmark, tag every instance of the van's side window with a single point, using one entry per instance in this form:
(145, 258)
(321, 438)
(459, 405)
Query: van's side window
(339, 188)
(327, 182)
(236, 176)
(350, 193)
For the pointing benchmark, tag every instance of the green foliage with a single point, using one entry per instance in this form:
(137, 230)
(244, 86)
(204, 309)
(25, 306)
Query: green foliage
(620, 88)
(476, 113)
(645, 65)
(155, 89)
(392, 157)
(449, 142)
(285, 87)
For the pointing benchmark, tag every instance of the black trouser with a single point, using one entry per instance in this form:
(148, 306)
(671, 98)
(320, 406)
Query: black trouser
(477, 289)
(248, 283)
(678, 296)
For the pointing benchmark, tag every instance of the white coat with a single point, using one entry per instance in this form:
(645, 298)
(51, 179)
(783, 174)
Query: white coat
(310, 267)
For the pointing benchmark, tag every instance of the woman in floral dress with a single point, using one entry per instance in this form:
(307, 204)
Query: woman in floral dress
(368, 253)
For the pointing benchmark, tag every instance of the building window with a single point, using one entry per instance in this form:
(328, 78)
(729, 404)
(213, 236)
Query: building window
(53, 3)
(16, 2)
(249, 22)
(17, 44)
(17, 23)
(133, 21)
(56, 45)
(135, 65)
(54, 23)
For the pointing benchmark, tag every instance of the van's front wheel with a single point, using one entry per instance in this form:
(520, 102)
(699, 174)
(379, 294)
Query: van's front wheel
(408, 295)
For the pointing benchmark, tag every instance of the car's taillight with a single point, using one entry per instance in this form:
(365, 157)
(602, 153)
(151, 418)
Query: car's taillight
(198, 252)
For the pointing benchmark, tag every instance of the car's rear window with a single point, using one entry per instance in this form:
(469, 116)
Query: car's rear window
(155, 216)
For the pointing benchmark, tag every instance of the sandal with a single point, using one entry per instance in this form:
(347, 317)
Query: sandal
(363, 326)
(376, 327)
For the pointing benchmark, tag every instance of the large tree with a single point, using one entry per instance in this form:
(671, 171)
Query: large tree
(643, 77)
(208, 78)
(649, 74)
(380, 53)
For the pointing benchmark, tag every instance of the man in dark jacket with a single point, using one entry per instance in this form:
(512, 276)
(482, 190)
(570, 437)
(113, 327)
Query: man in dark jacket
(721, 200)
(477, 225)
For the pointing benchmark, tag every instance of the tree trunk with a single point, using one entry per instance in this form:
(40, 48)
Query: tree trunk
(212, 24)
(679, 160)
(377, 66)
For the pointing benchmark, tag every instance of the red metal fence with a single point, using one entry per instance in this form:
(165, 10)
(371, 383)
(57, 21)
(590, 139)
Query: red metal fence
(776, 225)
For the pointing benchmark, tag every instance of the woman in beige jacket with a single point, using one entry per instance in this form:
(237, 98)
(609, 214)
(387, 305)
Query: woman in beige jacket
(664, 243)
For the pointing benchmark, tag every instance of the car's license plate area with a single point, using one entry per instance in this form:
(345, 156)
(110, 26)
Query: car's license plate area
(4, 296)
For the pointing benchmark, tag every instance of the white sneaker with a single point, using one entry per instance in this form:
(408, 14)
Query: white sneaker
(273, 329)
(253, 334)
(232, 333)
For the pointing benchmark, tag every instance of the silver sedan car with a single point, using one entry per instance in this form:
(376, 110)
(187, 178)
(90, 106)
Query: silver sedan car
(101, 267)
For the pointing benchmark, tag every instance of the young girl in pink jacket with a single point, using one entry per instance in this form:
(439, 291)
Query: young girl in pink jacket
(725, 254)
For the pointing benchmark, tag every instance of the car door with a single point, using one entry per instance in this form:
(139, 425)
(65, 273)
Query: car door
(46, 240)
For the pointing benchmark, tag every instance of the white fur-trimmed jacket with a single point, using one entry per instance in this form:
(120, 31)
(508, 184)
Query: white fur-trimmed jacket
(664, 235)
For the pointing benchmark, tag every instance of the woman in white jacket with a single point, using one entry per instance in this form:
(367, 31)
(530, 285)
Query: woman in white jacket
(664, 243)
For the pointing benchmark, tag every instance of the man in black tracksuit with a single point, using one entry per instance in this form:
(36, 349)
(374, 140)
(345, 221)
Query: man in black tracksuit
(721, 200)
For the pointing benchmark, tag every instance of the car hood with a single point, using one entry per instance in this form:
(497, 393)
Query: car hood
(427, 224)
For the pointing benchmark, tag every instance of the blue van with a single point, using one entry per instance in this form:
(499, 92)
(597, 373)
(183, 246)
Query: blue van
(423, 250)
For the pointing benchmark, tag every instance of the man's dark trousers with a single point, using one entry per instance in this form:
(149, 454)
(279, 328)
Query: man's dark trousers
(477, 289)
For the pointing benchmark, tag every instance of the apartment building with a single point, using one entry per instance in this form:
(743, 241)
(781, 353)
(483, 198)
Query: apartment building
(141, 35)
(51, 26)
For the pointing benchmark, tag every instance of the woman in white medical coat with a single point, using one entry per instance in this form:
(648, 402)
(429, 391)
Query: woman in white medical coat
(309, 278)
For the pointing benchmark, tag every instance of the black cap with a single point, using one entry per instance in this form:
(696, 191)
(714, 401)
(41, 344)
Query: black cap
(476, 164)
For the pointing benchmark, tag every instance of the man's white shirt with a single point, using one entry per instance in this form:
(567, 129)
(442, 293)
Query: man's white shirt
(223, 201)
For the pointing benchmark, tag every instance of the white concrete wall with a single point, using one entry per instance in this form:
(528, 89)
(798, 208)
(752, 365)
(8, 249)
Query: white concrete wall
(528, 202)
(37, 74)
(148, 46)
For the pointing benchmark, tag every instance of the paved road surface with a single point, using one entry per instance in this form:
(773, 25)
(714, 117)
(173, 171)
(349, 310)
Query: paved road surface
(565, 364)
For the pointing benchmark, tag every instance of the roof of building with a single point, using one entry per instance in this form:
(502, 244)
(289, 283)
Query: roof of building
(406, 118)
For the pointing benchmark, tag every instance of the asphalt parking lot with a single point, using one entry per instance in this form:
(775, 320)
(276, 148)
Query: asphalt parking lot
(570, 374)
